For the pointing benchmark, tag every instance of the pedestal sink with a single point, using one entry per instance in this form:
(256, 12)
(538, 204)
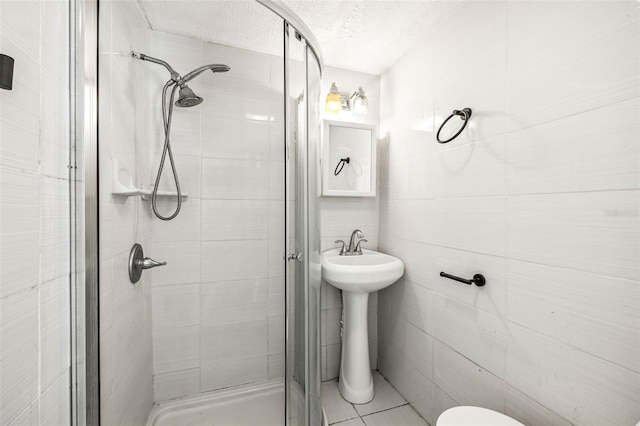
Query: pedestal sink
(357, 276)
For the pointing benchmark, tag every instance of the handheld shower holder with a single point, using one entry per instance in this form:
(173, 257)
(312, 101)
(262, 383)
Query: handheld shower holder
(186, 99)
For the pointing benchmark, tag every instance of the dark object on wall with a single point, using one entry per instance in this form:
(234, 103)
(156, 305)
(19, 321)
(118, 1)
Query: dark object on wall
(465, 115)
(340, 165)
(478, 279)
(6, 72)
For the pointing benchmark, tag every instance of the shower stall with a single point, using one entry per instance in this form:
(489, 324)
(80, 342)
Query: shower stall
(233, 316)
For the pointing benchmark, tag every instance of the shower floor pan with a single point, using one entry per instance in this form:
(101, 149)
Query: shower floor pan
(250, 405)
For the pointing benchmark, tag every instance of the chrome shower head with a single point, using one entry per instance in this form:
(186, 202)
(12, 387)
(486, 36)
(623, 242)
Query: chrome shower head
(187, 98)
(218, 68)
(213, 67)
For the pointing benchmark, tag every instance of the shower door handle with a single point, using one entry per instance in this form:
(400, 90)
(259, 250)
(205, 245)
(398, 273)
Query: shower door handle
(294, 256)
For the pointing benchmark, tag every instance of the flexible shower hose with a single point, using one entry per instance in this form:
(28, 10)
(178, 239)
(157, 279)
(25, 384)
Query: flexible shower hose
(166, 119)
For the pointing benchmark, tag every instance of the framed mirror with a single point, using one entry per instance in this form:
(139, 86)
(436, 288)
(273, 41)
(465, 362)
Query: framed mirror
(349, 159)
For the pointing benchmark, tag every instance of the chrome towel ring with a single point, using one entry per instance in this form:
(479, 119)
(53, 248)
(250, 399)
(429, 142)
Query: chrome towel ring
(465, 115)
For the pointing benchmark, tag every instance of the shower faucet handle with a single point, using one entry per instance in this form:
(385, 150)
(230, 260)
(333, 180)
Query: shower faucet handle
(137, 263)
(148, 263)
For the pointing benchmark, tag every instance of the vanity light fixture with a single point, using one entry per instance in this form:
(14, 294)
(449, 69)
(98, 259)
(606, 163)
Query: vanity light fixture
(337, 101)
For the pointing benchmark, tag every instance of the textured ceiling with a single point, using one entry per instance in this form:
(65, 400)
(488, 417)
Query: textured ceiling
(360, 35)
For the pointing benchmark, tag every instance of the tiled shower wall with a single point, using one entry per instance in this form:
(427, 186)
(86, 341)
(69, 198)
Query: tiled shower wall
(540, 194)
(218, 306)
(341, 215)
(126, 393)
(34, 215)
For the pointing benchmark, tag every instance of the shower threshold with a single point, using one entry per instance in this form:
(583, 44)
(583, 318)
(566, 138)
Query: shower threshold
(247, 405)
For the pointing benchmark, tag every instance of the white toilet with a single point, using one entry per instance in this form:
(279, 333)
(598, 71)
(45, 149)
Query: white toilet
(474, 416)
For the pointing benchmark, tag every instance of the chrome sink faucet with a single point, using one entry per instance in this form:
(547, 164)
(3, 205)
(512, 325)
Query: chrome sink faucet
(354, 246)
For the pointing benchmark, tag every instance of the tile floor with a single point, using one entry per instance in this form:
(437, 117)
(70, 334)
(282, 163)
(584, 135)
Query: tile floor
(388, 407)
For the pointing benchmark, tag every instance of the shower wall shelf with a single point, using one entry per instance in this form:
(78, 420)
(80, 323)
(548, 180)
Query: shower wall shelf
(130, 190)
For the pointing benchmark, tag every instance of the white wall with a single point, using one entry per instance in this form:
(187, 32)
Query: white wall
(218, 306)
(126, 393)
(34, 215)
(540, 194)
(341, 215)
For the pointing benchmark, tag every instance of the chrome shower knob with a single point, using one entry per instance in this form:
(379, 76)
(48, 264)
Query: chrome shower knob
(137, 263)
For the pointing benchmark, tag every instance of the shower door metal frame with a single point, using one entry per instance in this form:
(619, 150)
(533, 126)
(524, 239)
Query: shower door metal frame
(292, 147)
(287, 303)
(312, 249)
(298, 152)
(83, 162)
(296, 23)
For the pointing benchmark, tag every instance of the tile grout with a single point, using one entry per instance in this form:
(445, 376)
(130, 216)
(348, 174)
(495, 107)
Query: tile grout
(362, 416)
(378, 412)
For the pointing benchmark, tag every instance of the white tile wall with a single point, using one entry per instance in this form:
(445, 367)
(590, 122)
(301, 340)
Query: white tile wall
(218, 305)
(528, 411)
(178, 348)
(232, 371)
(540, 193)
(556, 76)
(126, 360)
(235, 219)
(176, 306)
(34, 203)
(536, 156)
(230, 179)
(582, 227)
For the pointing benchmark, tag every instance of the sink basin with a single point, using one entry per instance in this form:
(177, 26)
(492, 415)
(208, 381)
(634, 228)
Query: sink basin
(366, 273)
(357, 276)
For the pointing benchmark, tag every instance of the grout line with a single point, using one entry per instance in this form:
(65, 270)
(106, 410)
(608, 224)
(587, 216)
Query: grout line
(386, 409)
(361, 417)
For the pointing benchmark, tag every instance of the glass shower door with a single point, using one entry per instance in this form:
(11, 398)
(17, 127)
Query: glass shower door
(303, 242)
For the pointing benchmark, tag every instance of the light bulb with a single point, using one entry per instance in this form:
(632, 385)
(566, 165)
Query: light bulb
(360, 103)
(334, 101)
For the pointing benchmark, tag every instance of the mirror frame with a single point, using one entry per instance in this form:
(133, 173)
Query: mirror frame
(326, 127)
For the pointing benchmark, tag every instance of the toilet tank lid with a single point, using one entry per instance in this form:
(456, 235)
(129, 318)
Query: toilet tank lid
(474, 416)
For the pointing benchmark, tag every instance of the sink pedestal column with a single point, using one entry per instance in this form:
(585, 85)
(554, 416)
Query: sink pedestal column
(356, 382)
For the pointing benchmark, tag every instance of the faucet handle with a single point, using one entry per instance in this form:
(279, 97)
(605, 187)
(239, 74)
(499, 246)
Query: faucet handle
(358, 250)
(148, 263)
(343, 249)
